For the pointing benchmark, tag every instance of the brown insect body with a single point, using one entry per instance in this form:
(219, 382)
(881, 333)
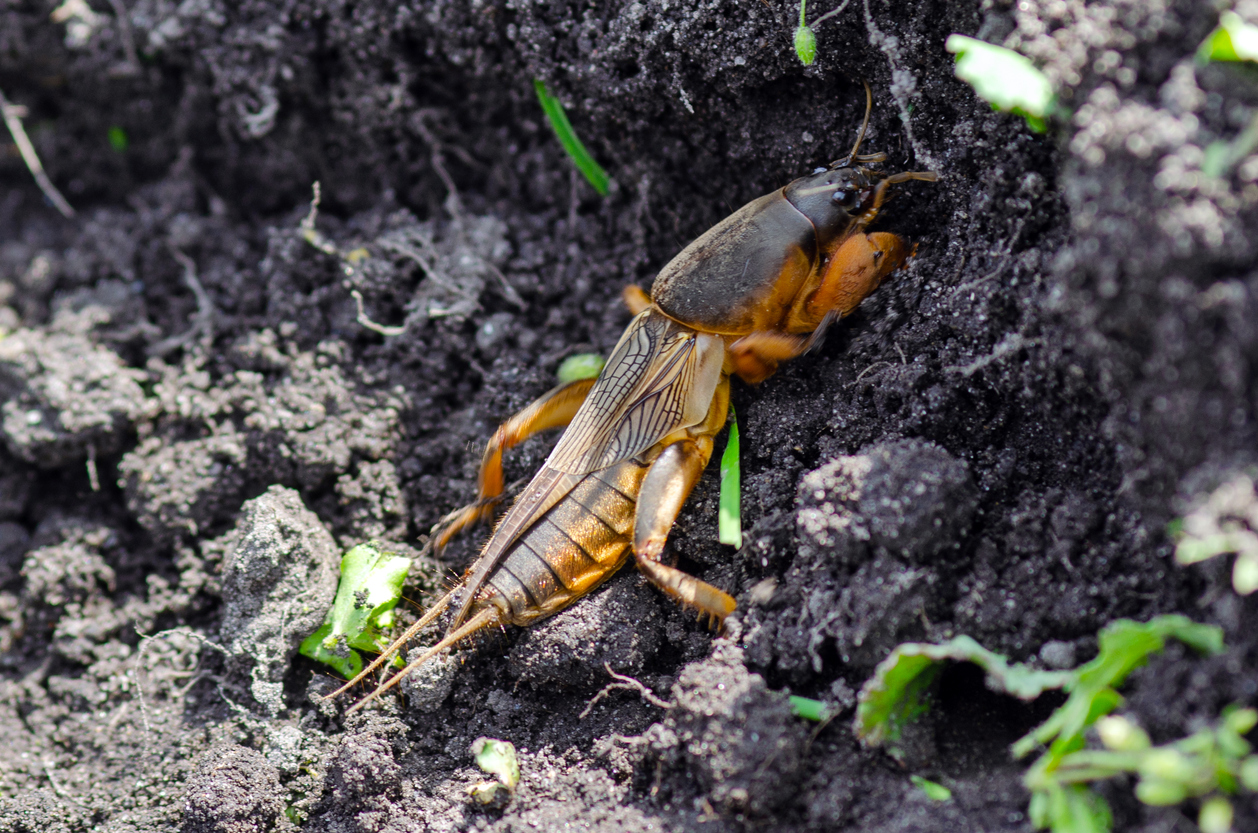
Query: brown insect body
(736, 301)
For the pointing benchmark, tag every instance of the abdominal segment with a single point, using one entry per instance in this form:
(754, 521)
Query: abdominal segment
(572, 549)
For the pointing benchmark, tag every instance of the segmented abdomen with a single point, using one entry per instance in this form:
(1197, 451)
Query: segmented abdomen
(573, 548)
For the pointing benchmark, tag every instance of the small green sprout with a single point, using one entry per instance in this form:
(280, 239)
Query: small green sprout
(580, 366)
(1202, 765)
(935, 792)
(729, 527)
(497, 758)
(581, 157)
(1225, 522)
(1070, 809)
(1124, 646)
(814, 710)
(900, 689)
(369, 590)
(1215, 816)
(1232, 40)
(806, 36)
(117, 138)
(1005, 79)
(805, 41)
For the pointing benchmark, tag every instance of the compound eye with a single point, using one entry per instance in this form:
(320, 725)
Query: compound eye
(844, 199)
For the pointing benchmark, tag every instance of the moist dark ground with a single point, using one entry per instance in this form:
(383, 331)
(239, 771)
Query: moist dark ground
(992, 445)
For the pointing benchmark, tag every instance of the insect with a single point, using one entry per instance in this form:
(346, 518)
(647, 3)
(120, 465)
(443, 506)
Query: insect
(758, 288)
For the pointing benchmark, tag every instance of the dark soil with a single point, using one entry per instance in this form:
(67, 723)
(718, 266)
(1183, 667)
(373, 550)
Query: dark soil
(195, 424)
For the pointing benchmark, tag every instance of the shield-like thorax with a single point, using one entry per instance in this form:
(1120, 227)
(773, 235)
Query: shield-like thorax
(732, 279)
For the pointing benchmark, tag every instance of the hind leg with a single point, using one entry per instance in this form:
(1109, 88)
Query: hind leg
(664, 490)
(553, 410)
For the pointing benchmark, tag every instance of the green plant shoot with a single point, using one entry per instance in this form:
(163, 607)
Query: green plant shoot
(729, 526)
(933, 791)
(1124, 646)
(1005, 79)
(808, 709)
(899, 693)
(496, 758)
(805, 38)
(1232, 40)
(581, 157)
(1203, 765)
(580, 366)
(1224, 522)
(369, 590)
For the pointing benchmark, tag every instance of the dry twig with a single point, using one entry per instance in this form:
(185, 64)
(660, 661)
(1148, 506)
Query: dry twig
(13, 114)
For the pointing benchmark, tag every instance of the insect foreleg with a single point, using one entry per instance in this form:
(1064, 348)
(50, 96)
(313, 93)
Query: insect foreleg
(854, 271)
(756, 356)
(555, 409)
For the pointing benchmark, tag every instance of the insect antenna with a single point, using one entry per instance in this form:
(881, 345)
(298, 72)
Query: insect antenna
(860, 137)
(484, 619)
(397, 645)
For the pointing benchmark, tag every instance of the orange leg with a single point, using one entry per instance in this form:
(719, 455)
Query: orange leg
(853, 271)
(553, 410)
(756, 355)
(667, 485)
(664, 490)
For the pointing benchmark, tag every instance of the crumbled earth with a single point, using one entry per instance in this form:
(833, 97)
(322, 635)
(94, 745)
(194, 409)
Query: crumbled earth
(216, 377)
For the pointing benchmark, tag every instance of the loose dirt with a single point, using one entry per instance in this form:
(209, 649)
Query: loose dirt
(196, 419)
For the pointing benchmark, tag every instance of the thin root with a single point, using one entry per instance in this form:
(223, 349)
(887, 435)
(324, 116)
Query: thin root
(624, 681)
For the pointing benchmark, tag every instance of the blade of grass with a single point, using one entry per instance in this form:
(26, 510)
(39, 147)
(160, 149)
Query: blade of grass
(813, 710)
(729, 518)
(558, 119)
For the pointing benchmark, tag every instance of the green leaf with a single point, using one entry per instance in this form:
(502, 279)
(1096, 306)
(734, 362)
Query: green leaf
(347, 663)
(1215, 815)
(1245, 573)
(1075, 809)
(1124, 646)
(729, 528)
(1005, 79)
(1249, 773)
(581, 157)
(1239, 720)
(369, 590)
(1194, 550)
(896, 694)
(580, 366)
(805, 45)
(935, 792)
(1233, 40)
(813, 710)
(497, 758)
